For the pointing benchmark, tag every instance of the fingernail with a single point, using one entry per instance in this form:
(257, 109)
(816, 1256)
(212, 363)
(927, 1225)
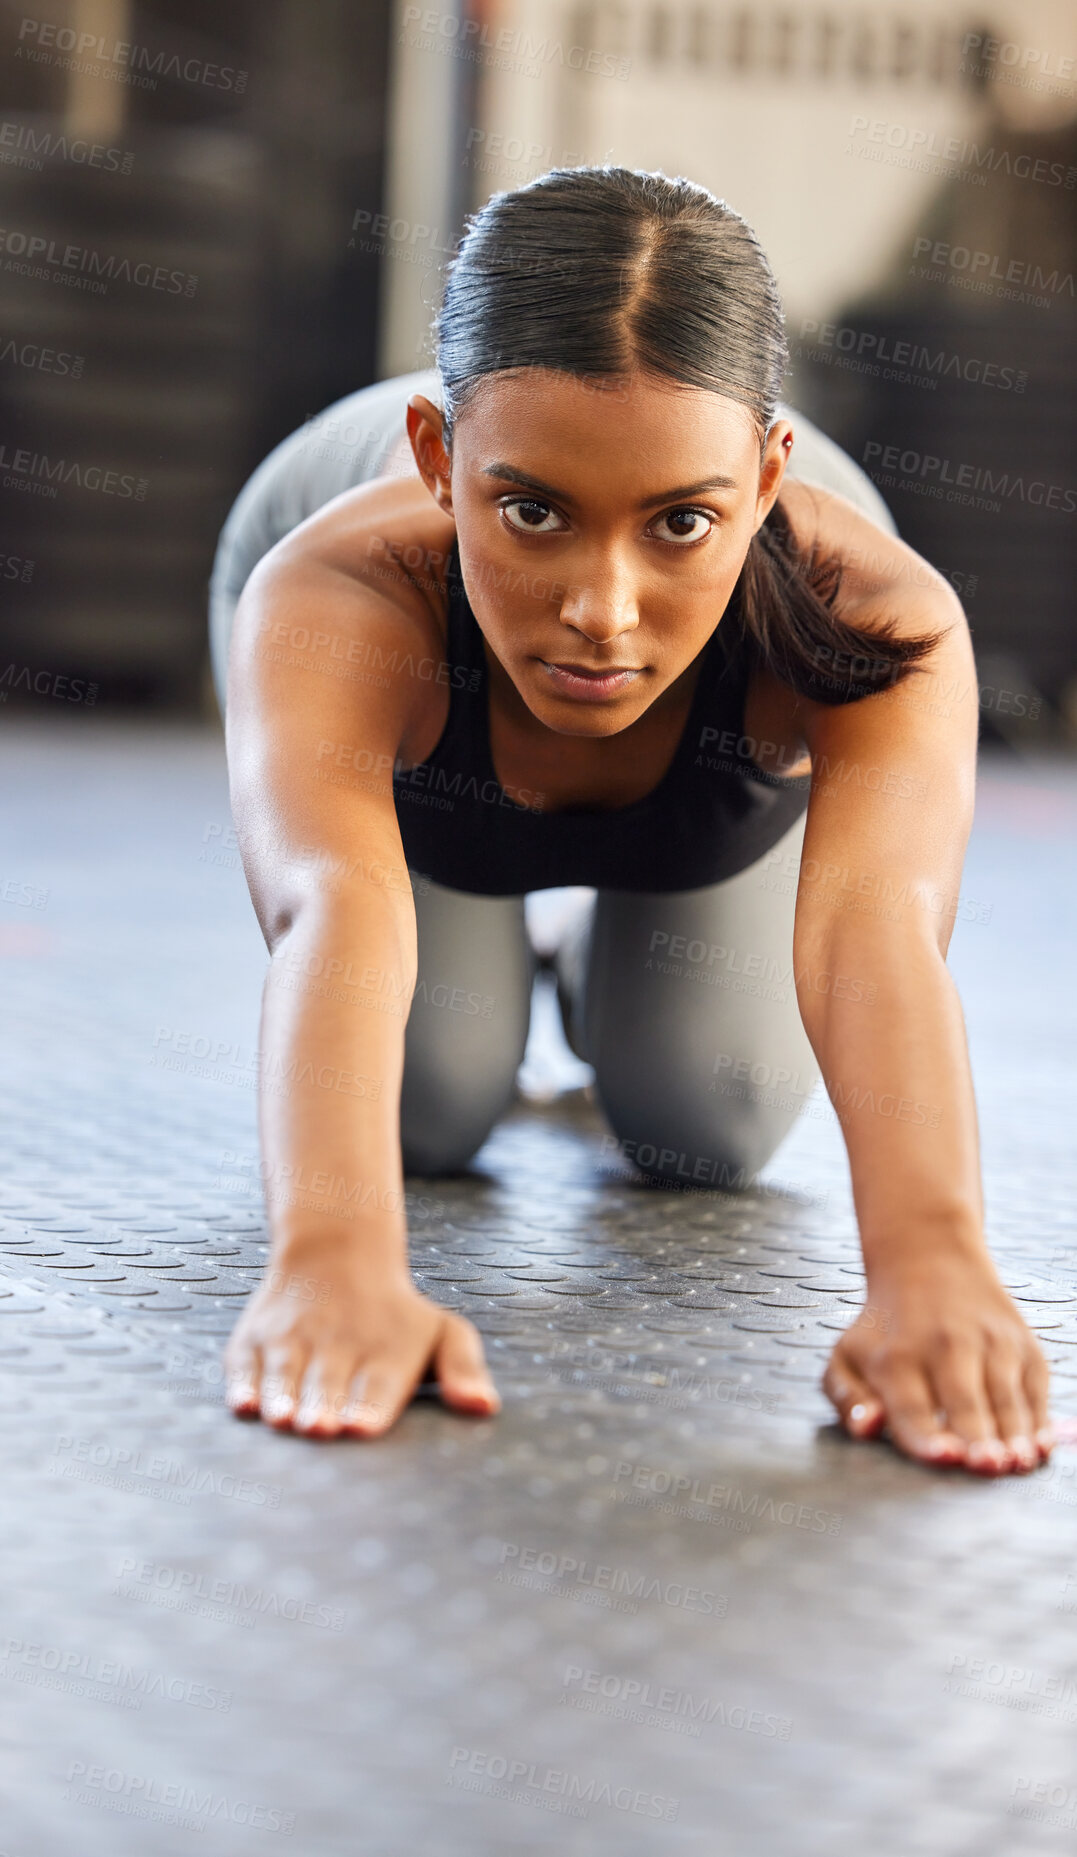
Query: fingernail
(986, 1452)
(941, 1447)
(1045, 1437)
(365, 1415)
(1024, 1450)
(278, 1406)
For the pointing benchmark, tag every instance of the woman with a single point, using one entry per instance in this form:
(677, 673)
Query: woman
(600, 637)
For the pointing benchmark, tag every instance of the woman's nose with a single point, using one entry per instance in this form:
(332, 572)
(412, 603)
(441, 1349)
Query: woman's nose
(599, 610)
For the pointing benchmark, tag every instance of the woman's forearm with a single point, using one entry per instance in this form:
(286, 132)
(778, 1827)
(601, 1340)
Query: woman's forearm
(334, 1008)
(897, 1072)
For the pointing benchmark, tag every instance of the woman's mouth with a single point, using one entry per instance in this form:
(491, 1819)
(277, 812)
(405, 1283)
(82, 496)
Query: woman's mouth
(588, 686)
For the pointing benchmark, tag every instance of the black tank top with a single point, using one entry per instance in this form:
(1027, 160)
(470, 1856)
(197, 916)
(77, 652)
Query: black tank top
(712, 814)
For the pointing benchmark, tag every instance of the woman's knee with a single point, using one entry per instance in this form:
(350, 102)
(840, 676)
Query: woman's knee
(445, 1119)
(467, 1024)
(724, 1154)
(700, 1126)
(459, 1076)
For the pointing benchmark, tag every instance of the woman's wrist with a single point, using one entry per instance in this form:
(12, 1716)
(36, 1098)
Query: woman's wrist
(922, 1238)
(381, 1250)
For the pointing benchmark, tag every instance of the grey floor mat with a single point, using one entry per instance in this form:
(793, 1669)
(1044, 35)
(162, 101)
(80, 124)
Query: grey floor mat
(659, 1604)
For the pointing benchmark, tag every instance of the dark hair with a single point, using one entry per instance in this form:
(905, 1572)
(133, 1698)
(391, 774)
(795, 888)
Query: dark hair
(598, 271)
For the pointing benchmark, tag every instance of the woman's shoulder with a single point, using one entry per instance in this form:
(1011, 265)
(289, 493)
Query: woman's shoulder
(389, 536)
(357, 592)
(872, 560)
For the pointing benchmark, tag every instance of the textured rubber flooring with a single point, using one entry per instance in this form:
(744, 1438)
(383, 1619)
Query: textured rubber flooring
(660, 1604)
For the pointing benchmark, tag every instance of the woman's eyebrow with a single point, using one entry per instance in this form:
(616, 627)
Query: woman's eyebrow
(527, 482)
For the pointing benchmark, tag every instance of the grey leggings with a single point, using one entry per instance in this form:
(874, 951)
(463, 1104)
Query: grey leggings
(684, 1003)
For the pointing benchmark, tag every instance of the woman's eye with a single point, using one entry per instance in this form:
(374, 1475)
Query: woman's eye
(681, 521)
(533, 514)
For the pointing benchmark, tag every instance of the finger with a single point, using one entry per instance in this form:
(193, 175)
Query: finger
(860, 1409)
(324, 1396)
(912, 1416)
(461, 1370)
(1004, 1379)
(1037, 1377)
(958, 1377)
(242, 1369)
(378, 1397)
(282, 1374)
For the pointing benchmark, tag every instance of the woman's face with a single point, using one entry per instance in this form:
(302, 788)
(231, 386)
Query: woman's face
(602, 525)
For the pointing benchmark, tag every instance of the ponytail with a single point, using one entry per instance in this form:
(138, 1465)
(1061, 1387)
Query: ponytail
(786, 613)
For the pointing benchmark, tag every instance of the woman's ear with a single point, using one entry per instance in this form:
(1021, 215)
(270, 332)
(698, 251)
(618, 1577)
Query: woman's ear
(772, 469)
(425, 424)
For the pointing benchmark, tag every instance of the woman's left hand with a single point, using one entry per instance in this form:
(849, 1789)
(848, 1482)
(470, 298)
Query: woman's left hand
(941, 1357)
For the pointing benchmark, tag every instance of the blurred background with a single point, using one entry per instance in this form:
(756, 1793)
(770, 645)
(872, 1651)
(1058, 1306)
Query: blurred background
(217, 220)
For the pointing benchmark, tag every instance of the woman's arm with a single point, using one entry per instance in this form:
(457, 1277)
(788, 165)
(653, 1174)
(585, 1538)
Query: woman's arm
(940, 1355)
(310, 758)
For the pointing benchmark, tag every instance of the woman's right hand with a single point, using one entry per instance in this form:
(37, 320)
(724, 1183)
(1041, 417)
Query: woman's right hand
(333, 1346)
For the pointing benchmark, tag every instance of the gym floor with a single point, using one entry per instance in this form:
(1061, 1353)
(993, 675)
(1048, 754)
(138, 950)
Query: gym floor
(659, 1604)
